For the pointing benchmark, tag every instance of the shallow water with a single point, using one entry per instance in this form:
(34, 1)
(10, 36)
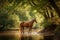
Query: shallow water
(32, 37)
(15, 35)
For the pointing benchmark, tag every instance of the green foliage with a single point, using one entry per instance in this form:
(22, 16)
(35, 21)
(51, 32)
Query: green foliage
(10, 1)
(5, 21)
(23, 10)
(22, 15)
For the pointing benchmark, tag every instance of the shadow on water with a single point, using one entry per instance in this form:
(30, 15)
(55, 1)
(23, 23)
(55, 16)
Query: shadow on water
(26, 38)
(15, 38)
(8, 38)
(22, 38)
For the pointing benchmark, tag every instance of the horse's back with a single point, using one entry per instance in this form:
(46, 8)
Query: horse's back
(21, 24)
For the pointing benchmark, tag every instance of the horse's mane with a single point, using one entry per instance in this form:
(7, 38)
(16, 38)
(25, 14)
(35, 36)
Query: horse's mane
(28, 20)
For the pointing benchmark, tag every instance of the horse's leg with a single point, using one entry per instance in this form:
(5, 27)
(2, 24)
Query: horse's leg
(22, 30)
(30, 29)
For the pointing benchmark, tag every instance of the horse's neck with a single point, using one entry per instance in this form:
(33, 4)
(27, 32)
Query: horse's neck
(32, 22)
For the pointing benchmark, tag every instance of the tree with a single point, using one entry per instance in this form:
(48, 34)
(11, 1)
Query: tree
(54, 5)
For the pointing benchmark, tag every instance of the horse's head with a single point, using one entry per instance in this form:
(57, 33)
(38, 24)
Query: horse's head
(34, 20)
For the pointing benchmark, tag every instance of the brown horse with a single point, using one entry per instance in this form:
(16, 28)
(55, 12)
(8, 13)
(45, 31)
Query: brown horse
(28, 24)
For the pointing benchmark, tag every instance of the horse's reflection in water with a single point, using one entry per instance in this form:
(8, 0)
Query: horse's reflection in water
(28, 24)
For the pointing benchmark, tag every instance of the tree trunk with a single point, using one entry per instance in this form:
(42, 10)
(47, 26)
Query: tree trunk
(53, 4)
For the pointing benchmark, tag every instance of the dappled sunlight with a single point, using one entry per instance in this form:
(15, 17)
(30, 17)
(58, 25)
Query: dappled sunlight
(27, 14)
(34, 11)
(15, 18)
(26, 9)
(29, 19)
(39, 18)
